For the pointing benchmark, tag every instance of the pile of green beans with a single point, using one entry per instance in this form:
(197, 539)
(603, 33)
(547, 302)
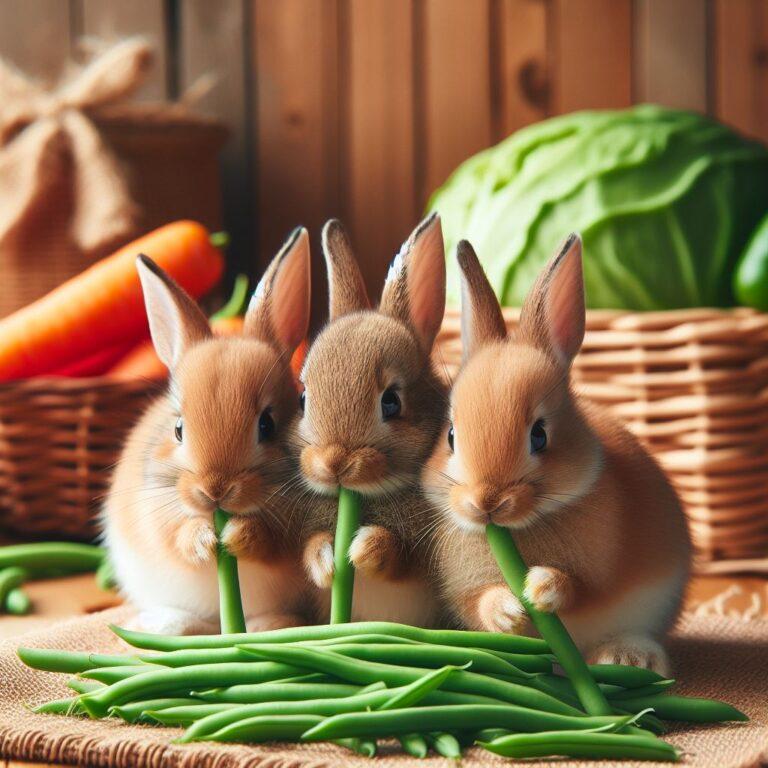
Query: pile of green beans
(356, 683)
(20, 563)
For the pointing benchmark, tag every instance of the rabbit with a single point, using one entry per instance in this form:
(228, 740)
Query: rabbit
(372, 407)
(594, 516)
(216, 438)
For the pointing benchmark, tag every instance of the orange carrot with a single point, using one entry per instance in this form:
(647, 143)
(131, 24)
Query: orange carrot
(104, 304)
(96, 364)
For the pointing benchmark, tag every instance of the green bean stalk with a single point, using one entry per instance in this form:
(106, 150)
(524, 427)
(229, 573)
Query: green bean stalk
(230, 602)
(347, 523)
(514, 570)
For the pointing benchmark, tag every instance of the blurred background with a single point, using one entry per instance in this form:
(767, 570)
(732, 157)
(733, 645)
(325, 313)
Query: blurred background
(361, 108)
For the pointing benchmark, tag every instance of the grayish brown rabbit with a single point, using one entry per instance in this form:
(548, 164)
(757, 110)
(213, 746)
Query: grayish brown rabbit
(372, 409)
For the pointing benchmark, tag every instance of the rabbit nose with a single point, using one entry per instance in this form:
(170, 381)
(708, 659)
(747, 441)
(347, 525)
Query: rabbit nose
(213, 491)
(483, 502)
(332, 462)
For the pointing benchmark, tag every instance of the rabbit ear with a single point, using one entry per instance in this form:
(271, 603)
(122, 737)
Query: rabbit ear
(414, 291)
(552, 317)
(346, 289)
(175, 321)
(278, 312)
(481, 318)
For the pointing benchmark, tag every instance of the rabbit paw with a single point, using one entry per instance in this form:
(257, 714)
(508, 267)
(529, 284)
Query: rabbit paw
(244, 537)
(376, 551)
(500, 611)
(196, 540)
(547, 589)
(635, 650)
(318, 559)
(171, 621)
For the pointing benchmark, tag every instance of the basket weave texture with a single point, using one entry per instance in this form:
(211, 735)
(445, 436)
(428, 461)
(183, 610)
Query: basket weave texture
(693, 386)
(59, 439)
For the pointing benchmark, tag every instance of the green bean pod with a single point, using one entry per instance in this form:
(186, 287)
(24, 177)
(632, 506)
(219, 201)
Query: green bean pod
(230, 602)
(83, 686)
(11, 578)
(411, 694)
(110, 675)
(342, 588)
(363, 672)
(17, 602)
(69, 707)
(135, 711)
(492, 641)
(364, 747)
(413, 744)
(266, 728)
(70, 661)
(255, 694)
(590, 745)
(644, 690)
(624, 675)
(686, 708)
(441, 718)
(445, 744)
(51, 558)
(186, 714)
(105, 576)
(167, 682)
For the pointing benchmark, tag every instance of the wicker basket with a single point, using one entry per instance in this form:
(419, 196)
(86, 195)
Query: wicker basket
(59, 439)
(693, 386)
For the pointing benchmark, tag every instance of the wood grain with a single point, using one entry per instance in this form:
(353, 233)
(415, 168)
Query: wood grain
(523, 76)
(671, 53)
(378, 189)
(592, 42)
(741, 65)
(455, 87)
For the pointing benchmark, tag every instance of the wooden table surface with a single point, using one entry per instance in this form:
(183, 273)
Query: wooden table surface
(77, 595)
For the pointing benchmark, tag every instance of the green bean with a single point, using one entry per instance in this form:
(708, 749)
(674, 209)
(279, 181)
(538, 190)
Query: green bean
(647, 720)
(364, 639)
(267, 728)
(413, 744)
(492, 641)
(414, 692)
(362, 672)
(643, 690)
(70, 661)
(490, 734)
(10, 579)
(230, 603)
(110, 675)
(51, 558)
(83, 686)
(590, 745)
(528, 662)
(549, 626)
(186, 714)
(167, 682)
(364, 747)
(105, 576)
(255, 694)
(59, 707)
(342, 588)
(431, 656)
(324, 706)
(624, 675)
(445, 744)
(689, 709)
(433, 718)
(135, 711)
(17, 602)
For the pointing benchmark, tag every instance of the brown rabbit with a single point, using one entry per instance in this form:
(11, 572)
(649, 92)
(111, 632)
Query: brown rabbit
(372, 409)
(216, 438)
(592, 513)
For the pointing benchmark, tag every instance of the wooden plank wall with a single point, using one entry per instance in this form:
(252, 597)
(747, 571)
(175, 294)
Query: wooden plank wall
(361, 108)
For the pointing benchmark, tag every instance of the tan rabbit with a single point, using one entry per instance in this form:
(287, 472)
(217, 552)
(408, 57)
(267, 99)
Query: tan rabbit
(216, 438)
(372, 409)
(594, 516)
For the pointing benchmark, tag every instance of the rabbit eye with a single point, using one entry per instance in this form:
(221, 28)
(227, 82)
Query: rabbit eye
(450, 437)
(266, 425)
(303, 401)
(178, 430)
(390, 404)
(538, 437)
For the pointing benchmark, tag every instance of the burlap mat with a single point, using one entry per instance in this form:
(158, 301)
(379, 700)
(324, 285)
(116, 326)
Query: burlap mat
(714, 656)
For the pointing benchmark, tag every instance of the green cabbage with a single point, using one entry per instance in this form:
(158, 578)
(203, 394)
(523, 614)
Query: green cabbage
(665, 201)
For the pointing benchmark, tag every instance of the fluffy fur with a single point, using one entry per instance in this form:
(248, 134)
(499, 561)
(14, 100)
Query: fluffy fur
(342, 438)
(158, 515)
(592, 513)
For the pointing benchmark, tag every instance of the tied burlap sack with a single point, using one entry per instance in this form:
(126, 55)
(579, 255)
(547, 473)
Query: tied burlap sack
(713, 656)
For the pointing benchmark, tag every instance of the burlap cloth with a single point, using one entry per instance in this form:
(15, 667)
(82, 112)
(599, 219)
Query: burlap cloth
(713, 656)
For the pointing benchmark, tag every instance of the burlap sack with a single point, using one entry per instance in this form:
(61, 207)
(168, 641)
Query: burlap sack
(713, 657)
